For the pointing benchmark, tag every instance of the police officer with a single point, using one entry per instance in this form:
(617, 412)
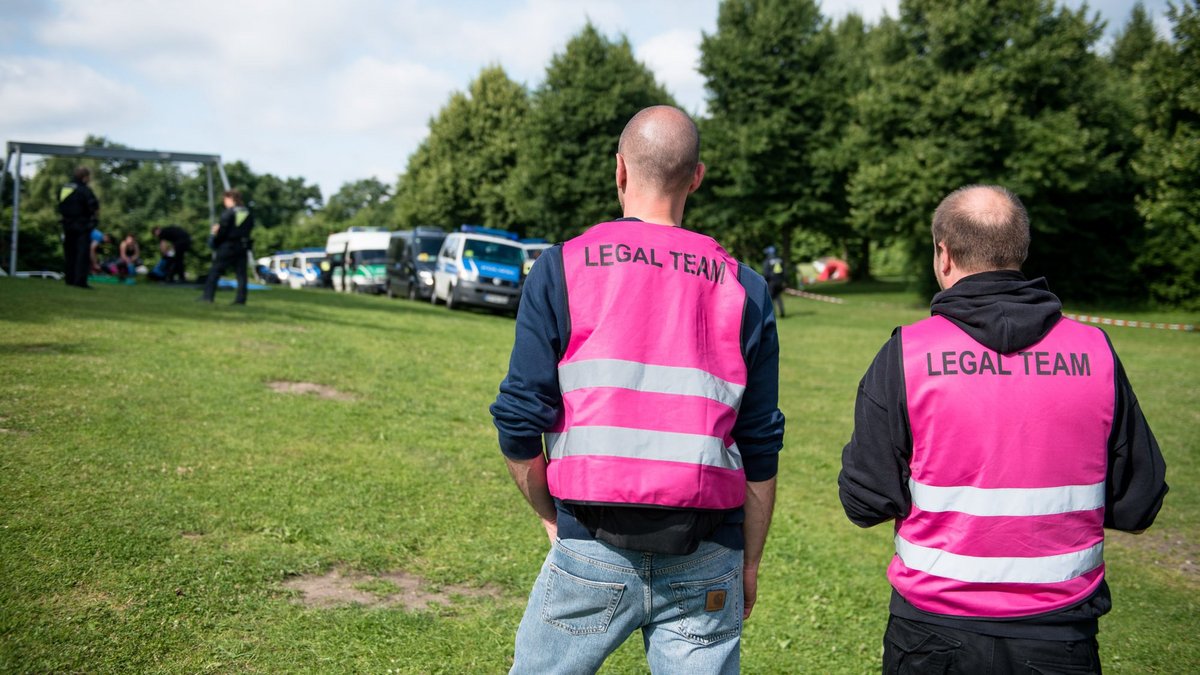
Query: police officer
(1002, 438)
(649, 359)
(231, 243)
(177, 241)
(773, 272)
(79, 209)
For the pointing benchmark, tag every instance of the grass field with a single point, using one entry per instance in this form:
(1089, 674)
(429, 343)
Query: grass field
(160, 502)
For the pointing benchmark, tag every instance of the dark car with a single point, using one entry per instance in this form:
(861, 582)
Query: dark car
(410, 260)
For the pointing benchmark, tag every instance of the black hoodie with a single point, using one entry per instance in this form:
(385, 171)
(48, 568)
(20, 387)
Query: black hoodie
(1005, 312)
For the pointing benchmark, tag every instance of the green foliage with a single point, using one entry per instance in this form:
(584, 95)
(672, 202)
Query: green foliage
(564, 177)
(1134, 42)
(1169, 163)
(1005, 92)
(774, 101)
(459, 172)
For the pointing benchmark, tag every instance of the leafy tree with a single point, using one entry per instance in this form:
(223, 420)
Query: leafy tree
(1169, 162)
(458, 173)
(1134, 41)
(770, 104)
(563, 180)
(1006, 92)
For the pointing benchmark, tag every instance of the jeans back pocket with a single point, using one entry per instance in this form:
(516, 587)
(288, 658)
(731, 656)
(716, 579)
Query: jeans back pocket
(579, 606)
(701, 620)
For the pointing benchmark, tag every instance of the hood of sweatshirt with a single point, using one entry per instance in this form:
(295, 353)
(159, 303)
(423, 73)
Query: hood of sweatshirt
(1002, 310)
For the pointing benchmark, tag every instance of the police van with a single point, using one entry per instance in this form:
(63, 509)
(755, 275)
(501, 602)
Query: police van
(305, 267)
(411, 258)
(358, 258)
(479, 266)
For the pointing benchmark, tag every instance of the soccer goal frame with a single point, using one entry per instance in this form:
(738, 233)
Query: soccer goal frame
(17, 149)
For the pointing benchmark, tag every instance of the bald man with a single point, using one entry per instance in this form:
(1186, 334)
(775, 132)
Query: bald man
(646, 360)
(1002, 439)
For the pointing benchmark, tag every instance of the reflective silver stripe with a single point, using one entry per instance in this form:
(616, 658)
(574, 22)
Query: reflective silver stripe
(644, 444)
(1047, 569)
(1007, 501)
(648, 378)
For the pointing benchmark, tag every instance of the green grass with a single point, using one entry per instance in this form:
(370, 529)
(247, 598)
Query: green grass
(155, 493)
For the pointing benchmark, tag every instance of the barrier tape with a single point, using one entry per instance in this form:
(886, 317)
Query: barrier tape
(1085, 318)
(814, 296)
(1185, 327)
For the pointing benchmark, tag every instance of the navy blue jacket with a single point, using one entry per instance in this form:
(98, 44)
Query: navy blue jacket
(530, 401)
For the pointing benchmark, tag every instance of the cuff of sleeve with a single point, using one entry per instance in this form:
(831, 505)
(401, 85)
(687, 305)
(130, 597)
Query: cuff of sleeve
(761, 467)
(520, 447)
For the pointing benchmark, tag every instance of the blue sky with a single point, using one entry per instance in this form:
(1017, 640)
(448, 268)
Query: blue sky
(331, 91)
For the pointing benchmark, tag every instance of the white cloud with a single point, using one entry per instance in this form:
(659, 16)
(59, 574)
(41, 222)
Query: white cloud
(372, 95)
(674, 57)
(47, 96)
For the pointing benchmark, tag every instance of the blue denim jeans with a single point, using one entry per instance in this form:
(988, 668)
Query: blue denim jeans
(590, 597)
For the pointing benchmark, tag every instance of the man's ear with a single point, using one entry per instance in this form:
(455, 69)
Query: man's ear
(943, 260)
(622, 176)
(697, 177)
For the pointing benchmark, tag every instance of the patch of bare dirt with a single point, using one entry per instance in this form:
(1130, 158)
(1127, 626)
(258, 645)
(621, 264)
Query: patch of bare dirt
(1169, 548)
(392, 589)
(320, 390)
(192, 536)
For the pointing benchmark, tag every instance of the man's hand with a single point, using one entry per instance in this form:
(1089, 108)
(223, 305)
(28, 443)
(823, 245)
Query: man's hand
(551, 527)
(530, 477)
(749, 590)
(215, 227)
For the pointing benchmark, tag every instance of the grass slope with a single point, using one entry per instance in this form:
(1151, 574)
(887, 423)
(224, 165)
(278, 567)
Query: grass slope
(155, 493)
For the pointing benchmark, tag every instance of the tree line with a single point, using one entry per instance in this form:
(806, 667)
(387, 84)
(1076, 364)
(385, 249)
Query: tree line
(821, 137)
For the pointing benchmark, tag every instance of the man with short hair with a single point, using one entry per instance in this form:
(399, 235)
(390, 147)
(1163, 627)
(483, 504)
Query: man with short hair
(649, 359)
(1002, 438)
(231, 242)
(79, 210)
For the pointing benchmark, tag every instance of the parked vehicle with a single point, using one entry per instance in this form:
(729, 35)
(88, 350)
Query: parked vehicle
(533, 250)
(305, 268)
(274, 268)
(479, 267)
(359, 258)
(411, 257)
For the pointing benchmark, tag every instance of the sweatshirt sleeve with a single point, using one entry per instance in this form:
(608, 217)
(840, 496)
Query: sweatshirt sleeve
(1137, 473)
(873, 483)
(530, 400)
(758, 430)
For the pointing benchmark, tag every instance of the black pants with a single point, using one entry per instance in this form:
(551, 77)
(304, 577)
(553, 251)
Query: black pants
(776, 288)
(175, 270)
(915, 647)
(228, 256)
(77, 254)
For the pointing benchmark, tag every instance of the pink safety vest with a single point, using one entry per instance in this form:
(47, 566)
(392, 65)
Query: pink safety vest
(653, 374)
(1010, 454)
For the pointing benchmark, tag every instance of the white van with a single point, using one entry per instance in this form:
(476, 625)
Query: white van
(479, 267)
(358, 258)
(305, 267)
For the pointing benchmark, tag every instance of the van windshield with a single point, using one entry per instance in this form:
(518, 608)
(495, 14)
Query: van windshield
(429, 245)
(492, 251)
(370, 257)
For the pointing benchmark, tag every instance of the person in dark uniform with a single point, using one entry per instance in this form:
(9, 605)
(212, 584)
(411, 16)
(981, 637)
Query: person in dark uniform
(177, 238)
(231, 242)
(79, 209)
(773, 272)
